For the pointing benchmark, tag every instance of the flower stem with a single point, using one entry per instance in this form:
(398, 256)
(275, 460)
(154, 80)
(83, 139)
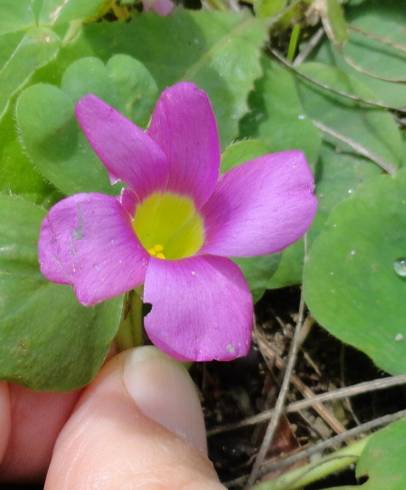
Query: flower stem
(316, 470)
(293, 42)
(130, 333)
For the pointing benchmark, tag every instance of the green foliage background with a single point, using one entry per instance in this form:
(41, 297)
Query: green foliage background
(343, 105)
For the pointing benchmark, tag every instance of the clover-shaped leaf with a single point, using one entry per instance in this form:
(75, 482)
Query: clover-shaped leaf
(47, 125)
(359, 258)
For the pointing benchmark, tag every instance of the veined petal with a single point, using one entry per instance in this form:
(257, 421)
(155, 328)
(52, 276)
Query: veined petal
(184, 126)
(201, 308)
(127, 152)
(261, 206)
(87, 241)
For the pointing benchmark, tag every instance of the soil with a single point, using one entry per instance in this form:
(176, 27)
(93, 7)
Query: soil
(233, 391)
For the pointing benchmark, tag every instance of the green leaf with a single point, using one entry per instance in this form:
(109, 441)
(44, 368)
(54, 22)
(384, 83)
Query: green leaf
(17, 175)
(57, 12)
(383, 460)
(269, 8)
(338, 176)
(123, 82)
(136, 89)
(290, 267)
(386, 20)
(277, 115)
(52, 138)
(242, 151)
(48, 341)
(350, 283)
(37, 48)
(335, 22)
(50, 133)
(375, 129)
(15, 15)
(220, 53)
(257, 270)
(87, 75)
(8, 44)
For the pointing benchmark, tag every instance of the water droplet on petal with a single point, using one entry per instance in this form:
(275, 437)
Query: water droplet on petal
(399, 266)
(399, 337)
(193, 273)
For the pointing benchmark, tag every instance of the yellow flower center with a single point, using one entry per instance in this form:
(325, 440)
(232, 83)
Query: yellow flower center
(169, 226)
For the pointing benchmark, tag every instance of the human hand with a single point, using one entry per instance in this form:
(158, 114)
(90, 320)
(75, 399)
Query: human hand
(137, 425)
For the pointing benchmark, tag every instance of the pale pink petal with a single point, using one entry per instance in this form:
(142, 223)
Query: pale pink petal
(184, 126)
(127, 152)
(87, 241)
(201, 308)
(261, 206)
(161, 7)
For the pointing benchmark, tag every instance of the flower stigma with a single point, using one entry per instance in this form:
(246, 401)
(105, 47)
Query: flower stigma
(168, 226)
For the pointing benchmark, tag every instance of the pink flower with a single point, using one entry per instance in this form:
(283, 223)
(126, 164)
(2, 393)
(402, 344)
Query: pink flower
(161, 7)
(175, 223)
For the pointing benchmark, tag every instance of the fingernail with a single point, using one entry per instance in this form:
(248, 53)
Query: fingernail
(164, 392)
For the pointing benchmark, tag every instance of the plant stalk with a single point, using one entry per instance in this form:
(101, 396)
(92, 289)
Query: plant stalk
(130, 333)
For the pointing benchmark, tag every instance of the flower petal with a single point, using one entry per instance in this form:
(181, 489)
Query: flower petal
(261, 206)
(184, 126)
(201, 308)
(87, 241)
(127, 152)
(161, 7)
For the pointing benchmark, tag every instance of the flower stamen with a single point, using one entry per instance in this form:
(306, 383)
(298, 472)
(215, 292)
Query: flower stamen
(157, 251)
(169, 226)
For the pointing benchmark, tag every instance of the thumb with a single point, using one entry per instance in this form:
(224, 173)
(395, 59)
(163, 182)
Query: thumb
(138, 425)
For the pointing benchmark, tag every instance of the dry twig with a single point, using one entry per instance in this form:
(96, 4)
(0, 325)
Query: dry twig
(320, 447)
(306, 392)
(280, 402)
(358, 148)
(332, 442)
(354, 390)
(313, 42)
